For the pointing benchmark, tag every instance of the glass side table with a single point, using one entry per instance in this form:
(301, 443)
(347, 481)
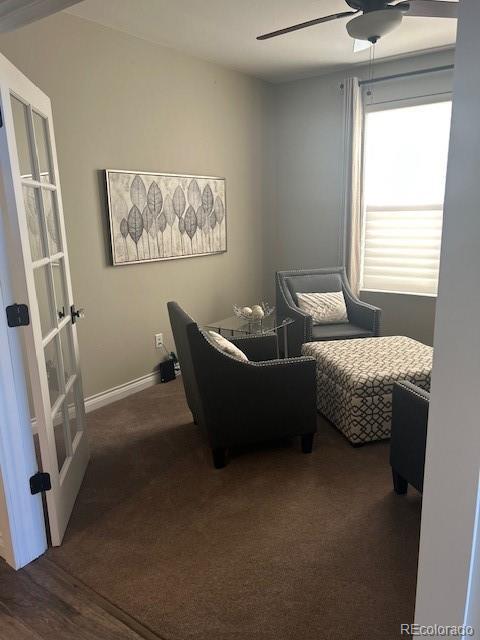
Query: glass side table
(234, 327)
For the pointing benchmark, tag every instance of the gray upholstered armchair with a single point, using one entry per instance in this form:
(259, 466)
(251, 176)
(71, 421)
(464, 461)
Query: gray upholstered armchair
(244, 402)
(364, 319)
(410, 406)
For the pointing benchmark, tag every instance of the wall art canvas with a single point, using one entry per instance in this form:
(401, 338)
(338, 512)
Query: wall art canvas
(161, 216)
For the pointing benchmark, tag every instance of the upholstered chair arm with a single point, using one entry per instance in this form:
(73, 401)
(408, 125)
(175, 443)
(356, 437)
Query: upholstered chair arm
(264, 401)
(409, 432)
(253, 401)
(301, 330)
(256, 348)
(362, 314)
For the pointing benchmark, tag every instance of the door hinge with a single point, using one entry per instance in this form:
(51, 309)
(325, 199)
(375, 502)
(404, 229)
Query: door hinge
(17, 315)
(40, 482)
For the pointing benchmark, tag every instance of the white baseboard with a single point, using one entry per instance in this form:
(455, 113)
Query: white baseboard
(98, 400)
(103, 398)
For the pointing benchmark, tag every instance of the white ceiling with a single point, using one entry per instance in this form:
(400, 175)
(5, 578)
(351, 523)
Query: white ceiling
(224, 31)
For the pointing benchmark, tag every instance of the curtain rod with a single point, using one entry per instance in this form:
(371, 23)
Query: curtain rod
(408, 74)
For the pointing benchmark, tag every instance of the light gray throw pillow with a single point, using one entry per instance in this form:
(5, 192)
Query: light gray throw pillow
(227, 347)
(325, 308)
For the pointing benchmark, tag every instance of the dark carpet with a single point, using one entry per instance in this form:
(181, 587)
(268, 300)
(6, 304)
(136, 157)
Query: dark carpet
(277, 546)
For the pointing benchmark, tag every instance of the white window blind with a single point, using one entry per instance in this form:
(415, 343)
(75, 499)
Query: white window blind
(405, 167)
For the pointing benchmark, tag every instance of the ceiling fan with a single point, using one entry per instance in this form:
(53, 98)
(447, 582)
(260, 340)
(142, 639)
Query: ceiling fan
(378, 17)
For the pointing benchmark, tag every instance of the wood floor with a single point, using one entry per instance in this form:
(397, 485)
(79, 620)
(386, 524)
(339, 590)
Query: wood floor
(43, 602)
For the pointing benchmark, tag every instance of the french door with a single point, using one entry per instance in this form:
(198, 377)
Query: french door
(41, 274)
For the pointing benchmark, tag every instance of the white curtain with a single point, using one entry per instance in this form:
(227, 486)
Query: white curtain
(351, 236)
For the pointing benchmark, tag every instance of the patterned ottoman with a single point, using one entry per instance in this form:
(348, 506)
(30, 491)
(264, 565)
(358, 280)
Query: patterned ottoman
(355, 381)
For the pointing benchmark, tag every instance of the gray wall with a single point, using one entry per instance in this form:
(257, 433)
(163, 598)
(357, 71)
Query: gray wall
(306, 177)
(406, 315)
(120, 102)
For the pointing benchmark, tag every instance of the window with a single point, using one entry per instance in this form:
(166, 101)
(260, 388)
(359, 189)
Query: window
(405, 167)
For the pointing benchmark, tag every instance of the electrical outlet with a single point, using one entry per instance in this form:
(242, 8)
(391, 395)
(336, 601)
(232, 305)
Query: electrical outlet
(158, 340)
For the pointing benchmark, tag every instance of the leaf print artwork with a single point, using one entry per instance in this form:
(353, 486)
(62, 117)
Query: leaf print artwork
(212, 223)
(155, 199)
(169, 211)
(156, 216)
(161, 226)
(120, 207)
(179, 202)
(181, 228)
(124, 234)
(194, 195)
(138, 193)
(147, 225)
(170, 217)
(154, 204)
(219, 211)
(202, 224)
(207, 199)
(135, 226)
(191, 224)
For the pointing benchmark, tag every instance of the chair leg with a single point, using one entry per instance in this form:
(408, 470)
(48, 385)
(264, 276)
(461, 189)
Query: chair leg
(307, 442)
(400, 485)
(219, 458)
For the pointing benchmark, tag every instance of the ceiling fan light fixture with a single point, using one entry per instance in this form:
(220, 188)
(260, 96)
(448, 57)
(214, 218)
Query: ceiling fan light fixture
(375, 24)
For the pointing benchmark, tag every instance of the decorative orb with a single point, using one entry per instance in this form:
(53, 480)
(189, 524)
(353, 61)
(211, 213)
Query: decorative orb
(247, 312)
(257, 312)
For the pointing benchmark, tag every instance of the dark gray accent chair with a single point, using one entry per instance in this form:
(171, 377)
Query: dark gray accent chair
(410, 406)
(364, 319)
(235, 402)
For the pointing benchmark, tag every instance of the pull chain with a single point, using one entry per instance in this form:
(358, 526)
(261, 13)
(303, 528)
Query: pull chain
(371, 72)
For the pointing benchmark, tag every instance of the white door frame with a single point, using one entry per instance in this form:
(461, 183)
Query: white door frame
(65, 475)
(22, 523)
(449, 562)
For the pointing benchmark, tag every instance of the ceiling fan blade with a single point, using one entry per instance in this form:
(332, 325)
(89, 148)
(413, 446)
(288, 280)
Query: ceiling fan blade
(361, 45)
(303, 25)
(429, 8)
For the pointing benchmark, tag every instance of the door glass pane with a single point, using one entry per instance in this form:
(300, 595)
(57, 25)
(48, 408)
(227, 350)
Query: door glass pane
(67, 352)
(62, 436)
(44, 299)
(53, 375)
(24, 151)
(50, 212)
(41, 138)
(32, 210)
(73, 413)
(61, 300)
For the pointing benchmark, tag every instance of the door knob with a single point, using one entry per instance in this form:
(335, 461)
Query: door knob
(76, 313)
